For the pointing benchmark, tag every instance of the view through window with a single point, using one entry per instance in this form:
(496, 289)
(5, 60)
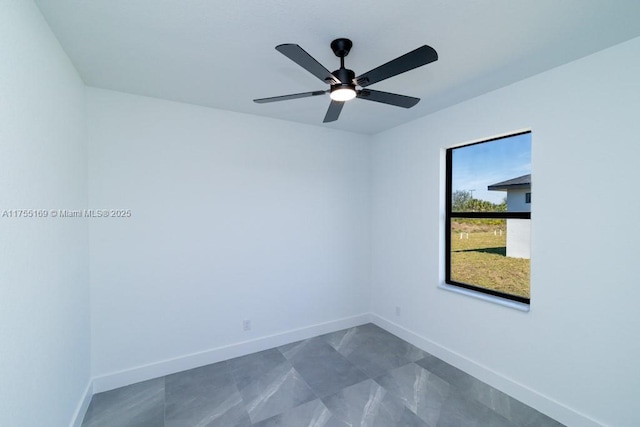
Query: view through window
(488, 216)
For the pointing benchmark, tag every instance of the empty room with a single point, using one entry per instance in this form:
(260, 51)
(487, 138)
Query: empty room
(319, 213)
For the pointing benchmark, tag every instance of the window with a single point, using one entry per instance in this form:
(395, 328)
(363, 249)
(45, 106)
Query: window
(488, 216)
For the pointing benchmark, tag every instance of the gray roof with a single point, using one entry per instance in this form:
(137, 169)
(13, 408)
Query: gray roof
(520, 182)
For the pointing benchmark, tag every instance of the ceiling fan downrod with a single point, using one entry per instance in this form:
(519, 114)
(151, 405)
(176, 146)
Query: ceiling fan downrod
(346, 89)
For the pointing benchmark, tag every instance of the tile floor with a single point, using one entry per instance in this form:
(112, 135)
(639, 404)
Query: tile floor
(363, 376)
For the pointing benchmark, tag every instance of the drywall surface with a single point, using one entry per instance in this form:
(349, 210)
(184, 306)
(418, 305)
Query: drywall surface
(574, 354)
(232, 218)
(44, 289)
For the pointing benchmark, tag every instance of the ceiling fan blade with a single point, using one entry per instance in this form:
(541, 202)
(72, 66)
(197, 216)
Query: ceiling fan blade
(333, 112)
(388, 98)
(292, 96)
(306, 61)
(414, 59)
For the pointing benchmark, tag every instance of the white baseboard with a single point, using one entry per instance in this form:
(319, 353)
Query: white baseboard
(83, 405)
(190, 361)
(532, 398)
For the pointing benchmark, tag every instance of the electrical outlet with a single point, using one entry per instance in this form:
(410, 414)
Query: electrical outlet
(397, 310)
(246, 325)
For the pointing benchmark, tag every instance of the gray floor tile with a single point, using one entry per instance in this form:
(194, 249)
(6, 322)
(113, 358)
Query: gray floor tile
(409, 419)
(454, 376)
(372, 349)
(361, 376)
(470, 387)
(310, 414)
(488, 396)
(368, 404)
(247, 369)
(205, 396)
(323, 368)
(421, 391)
(137, 405)
(275, 392)
(467, 385)
(493, 419)
(525, 416)
(459, 411)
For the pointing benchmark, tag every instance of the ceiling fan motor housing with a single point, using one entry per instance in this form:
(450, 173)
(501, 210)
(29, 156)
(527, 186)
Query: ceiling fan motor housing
(346, 78)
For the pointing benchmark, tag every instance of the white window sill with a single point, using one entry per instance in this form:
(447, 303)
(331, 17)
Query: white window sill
(485, 297)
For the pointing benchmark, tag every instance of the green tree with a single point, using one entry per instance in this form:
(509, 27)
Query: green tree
(461, 200)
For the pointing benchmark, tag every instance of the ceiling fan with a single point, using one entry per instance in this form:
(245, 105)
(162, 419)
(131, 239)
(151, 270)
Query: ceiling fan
(343, 82)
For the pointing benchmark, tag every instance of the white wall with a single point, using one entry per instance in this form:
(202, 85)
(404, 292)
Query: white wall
(578, 345)
(517, 200)
(44, 292)
(233, 217)
(519, 238)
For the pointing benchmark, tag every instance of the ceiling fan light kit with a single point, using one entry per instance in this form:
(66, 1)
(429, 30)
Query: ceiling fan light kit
(343, 82)
(343, 94)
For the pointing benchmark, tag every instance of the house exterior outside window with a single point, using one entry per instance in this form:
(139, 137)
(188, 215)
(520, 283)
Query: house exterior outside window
(518, 200)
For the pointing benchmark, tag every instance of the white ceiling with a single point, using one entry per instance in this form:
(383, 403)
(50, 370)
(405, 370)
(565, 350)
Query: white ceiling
(221, 54)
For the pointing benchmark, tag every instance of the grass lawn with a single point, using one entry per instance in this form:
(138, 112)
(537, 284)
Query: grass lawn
(481, 260)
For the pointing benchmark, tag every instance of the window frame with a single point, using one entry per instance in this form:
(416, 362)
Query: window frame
(449, 214)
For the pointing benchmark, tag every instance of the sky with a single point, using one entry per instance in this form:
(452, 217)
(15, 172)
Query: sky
(475, 167)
